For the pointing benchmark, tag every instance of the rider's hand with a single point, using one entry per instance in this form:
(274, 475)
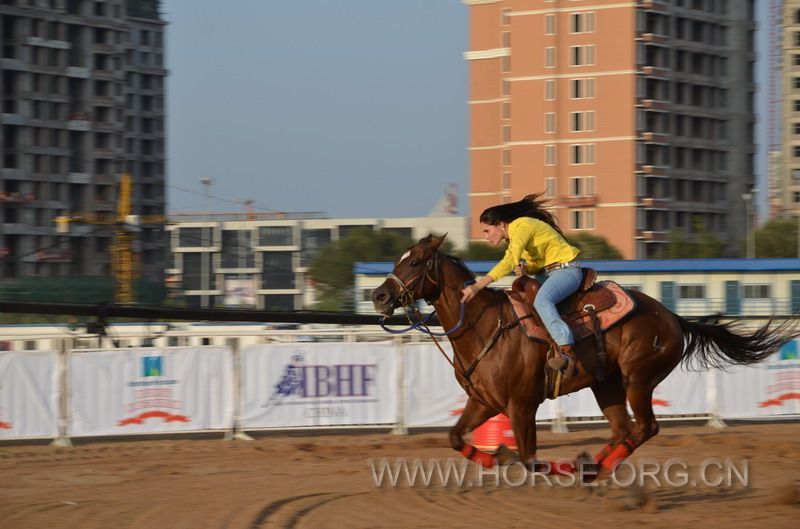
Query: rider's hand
(469, 292)
(519, 270)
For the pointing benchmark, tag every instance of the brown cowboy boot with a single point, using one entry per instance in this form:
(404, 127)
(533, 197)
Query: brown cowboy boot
(565, 359)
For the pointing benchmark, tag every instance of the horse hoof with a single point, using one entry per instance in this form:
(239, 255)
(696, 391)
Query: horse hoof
(586, 468)
(506, 456)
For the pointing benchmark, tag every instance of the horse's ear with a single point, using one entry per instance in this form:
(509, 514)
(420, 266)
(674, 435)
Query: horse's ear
(437, 241)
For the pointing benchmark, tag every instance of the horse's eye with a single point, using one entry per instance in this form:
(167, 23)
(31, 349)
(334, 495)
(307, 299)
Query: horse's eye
(414, 263)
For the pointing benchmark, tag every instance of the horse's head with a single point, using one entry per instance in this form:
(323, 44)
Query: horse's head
(414, 277)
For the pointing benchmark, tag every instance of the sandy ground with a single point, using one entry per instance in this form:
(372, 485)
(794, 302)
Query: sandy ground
(307, 481)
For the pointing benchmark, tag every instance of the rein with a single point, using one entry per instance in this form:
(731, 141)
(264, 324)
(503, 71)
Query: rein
(407, 299)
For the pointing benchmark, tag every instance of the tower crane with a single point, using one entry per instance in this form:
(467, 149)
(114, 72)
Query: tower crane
(124, 266)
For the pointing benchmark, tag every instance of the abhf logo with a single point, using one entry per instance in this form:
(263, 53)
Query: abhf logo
(152, 366)
(337, 380)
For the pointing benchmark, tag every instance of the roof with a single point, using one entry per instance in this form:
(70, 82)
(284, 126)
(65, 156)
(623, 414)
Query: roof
(633, 266)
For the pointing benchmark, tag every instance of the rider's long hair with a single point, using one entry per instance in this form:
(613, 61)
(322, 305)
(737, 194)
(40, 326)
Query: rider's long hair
(529, 206)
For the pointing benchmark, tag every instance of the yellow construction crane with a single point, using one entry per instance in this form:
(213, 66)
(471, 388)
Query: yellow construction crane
(124, 268)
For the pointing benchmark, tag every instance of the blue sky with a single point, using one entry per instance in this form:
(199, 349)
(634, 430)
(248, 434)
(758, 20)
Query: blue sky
(352, 107)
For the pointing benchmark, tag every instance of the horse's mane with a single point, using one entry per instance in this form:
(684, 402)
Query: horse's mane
(459, 263)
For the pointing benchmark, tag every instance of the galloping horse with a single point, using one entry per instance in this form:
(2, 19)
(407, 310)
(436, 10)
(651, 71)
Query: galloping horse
(641, 351)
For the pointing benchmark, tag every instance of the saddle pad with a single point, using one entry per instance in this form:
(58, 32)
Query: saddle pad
(611, 303)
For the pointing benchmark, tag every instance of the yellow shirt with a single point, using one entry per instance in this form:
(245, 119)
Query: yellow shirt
(536, 242)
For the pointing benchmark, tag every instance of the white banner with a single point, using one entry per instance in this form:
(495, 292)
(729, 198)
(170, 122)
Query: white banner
(319, 384)
(148, 390)
(29, 394)
(768, 389)
(434, 396)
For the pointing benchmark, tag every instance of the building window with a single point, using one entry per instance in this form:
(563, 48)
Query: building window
(582, 153)
(347, 229)
(549, 154)
(312, 242)
(506, 109)
(549, 57)
(796, 83)
(757, 292)
(549, 24)
(505, 64)
(236, 249)
(506, 155)
(550, 122)
(581, 121)
(549, 187)
(796, 128)
(549, 89)
(279, 303)
(505, 19)
(582, 88)
(580, 186)
(796, 59)
(582, 219)
(506, 39)
(275, 236)
(506, 133)
(277, 272)
(582, 55)
(506, 181)
(581, 23)
(796, 151)
(796, 105)
(505, 88)
(194, 237)
(692, 291)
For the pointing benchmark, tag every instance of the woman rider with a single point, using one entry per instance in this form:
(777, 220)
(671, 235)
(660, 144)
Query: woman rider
(533, 235)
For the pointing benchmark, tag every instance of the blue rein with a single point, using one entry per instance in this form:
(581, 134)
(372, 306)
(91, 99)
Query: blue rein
(422, 324)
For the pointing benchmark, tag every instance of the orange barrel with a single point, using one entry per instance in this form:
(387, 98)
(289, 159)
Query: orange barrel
(493, 433)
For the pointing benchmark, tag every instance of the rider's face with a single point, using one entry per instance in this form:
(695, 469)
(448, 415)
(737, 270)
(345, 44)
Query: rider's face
(494, 234)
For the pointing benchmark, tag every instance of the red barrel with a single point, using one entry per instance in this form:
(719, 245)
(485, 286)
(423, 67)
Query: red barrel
(493, 433)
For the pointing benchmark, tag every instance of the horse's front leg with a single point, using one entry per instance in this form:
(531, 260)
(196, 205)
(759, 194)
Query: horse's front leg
(474, 415)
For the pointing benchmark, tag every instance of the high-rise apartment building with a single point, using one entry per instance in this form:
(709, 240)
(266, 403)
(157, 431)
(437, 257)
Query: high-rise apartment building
(632, 117)
(788, 184)
(82, 102)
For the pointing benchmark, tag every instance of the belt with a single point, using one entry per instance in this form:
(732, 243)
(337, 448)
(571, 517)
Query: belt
(557, 266)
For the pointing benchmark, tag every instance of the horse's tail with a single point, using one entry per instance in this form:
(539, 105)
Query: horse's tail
(717, 345)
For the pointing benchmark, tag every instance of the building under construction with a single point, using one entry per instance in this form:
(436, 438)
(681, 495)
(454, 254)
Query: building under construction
(82, 103)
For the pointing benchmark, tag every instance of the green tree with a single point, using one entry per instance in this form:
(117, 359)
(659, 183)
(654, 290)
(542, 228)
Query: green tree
(332, 269)
(702, 244)
(481, 251)
(777, 238)
(594, 246)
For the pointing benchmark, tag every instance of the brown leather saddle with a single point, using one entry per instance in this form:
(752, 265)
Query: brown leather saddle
(605, 303)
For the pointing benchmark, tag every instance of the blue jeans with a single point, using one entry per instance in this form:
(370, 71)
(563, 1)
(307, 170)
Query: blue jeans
(556, 287)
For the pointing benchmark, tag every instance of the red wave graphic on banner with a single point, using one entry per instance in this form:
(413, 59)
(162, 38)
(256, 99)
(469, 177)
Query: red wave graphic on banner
(139, 419)
(5, 425)
(660, 402)
(778, 401)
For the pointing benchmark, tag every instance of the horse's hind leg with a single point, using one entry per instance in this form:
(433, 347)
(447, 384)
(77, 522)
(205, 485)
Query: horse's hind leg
(610, 396)
(641, 401)
(474, 415)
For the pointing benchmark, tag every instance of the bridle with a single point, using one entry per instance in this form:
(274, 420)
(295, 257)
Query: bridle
(408, 289)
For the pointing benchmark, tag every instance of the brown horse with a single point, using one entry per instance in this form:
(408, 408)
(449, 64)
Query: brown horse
(641, 351)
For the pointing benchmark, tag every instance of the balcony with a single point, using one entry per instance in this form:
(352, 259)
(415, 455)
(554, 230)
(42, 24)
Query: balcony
(655, 203)
(54, 255)
(658, 171)
(652, 38)
(655, 71)
(578, 201)
(653, 104)
(653, 5)
(655, 137)
(650, 236)
(13, 197)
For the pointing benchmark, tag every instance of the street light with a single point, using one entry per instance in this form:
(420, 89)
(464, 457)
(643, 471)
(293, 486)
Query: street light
(750, 239)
